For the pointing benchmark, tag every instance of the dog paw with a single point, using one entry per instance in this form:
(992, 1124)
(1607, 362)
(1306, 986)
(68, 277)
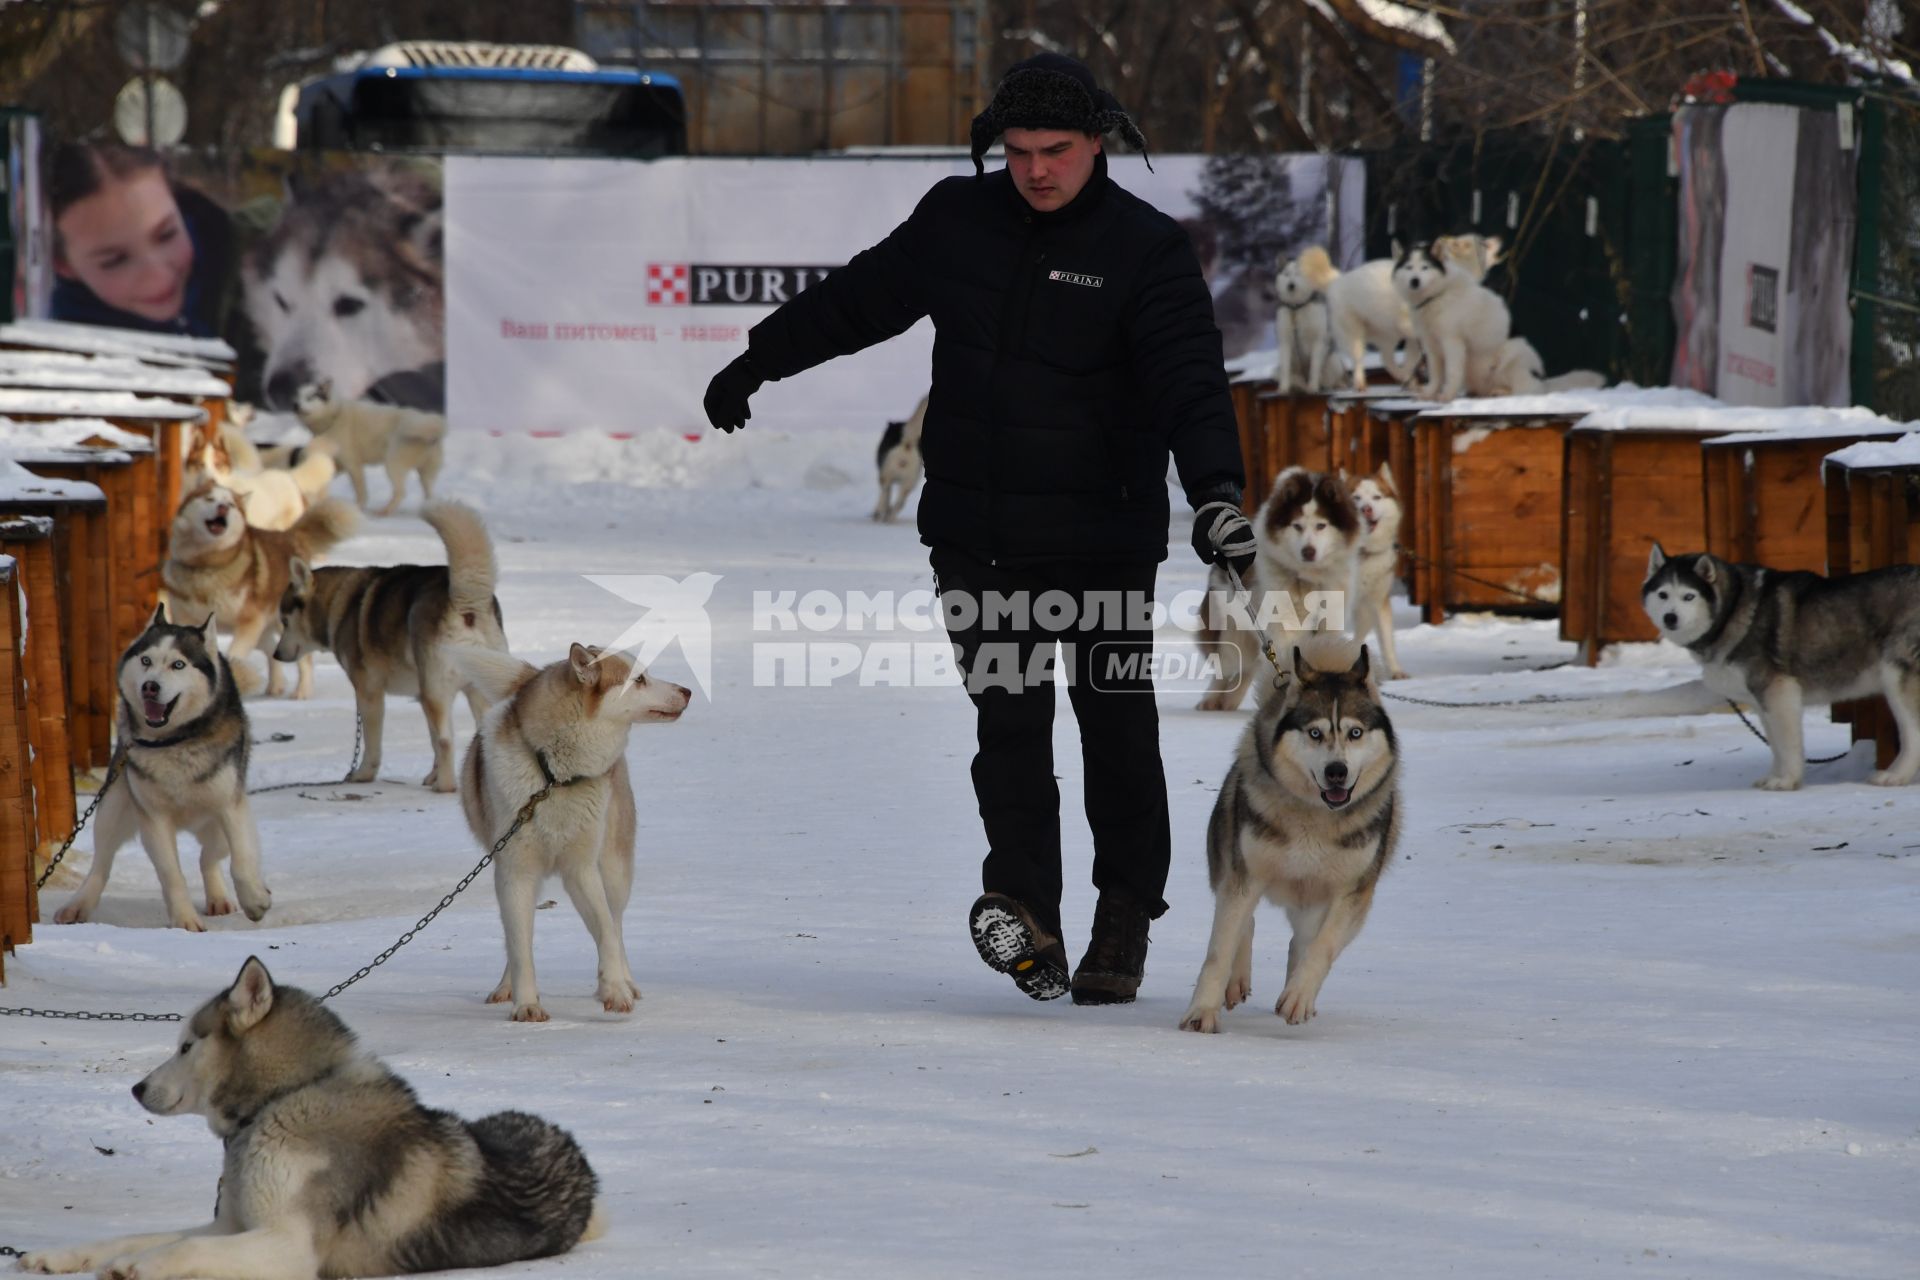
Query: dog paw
(302, 691)
(362, 774)
(1778, 784)
(1889, 778)
(1295, 1005)
(220, 906)
(500, 994)
(246, 678)
(1396, 674)
(1203, 1020)
(256, 903)
(73, 913)
(617, 996)
(1238, 989)
(190, 922)
(1213, 702)
(56, 1262)
(529, 1013)
(445, 786)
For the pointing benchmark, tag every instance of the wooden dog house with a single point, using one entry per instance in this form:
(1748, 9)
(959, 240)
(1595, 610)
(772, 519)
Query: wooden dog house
(1766, 502)
(1296, 431)
(1246, 390)
(1873, 522)
(1489, 478)
(1632, 477)
(98, 554)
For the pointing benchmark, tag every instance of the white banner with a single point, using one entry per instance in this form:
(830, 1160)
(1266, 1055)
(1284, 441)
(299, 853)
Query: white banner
(1754, 253)
(602, 295)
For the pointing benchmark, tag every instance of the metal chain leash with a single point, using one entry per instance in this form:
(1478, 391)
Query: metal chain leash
(113, 771)
(524, 816)
(1755, 731)
(330, 782)
(1515, 592)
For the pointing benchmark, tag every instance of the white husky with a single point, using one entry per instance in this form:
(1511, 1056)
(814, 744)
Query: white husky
(1459, 323)
(1301, 322)
(1363, 309)
(356, 433)
(561, 732)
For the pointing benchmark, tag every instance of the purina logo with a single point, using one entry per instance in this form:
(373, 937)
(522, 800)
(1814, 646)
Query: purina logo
(683, 284)
(1074, 277)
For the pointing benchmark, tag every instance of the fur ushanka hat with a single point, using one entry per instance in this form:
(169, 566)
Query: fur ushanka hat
(1052, 91)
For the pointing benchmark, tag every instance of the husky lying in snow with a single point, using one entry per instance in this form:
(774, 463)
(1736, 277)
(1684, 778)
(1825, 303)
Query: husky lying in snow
(333, 1167)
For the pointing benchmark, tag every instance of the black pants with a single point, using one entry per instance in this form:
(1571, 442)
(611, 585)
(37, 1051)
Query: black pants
(1104, 655)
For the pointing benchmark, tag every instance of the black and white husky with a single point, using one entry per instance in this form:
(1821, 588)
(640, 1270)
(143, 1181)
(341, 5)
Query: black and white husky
(184, 736)
(1784, 640)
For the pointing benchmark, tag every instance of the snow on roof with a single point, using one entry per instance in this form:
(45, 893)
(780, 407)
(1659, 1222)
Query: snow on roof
(1852, 54)
(1727, 421)
(17, 484)
(1904, 452)
(1815, 424)
(139, 339)
(1569, 404)
(1403, 17)
(104, 404)
(94, 341)
(70, 433)
(73, 371)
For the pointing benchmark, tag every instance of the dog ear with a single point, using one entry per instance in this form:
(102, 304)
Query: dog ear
(1361, 667)
(300, 575)
(159, 618)
(251, 996)
(1385, 476)
(1301, 671)
(1704, 566)
(1399, 250)
(581, 659)
(207, 629)
(1655, 559)
(1490, 247)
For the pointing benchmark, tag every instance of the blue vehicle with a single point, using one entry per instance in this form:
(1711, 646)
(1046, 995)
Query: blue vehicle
(452, 97)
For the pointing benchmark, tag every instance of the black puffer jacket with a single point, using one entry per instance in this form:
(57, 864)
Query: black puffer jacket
(1073, 349)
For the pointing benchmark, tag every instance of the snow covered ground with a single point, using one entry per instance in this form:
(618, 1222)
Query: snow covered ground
(1614, 1011)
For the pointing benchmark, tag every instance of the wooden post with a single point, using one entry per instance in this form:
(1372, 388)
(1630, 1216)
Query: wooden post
(28, 540)
(17, 826)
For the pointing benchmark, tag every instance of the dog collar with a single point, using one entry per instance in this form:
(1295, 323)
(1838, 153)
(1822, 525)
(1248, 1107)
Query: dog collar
(546, 770)
(1426, 301)
(1707, 641)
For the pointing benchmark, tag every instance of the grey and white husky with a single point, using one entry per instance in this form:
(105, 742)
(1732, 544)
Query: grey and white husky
(1308, 818)
(333, 1167)
(185, 737)
(1784, 640)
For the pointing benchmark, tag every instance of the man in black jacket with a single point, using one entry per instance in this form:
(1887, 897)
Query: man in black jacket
(1074, 346)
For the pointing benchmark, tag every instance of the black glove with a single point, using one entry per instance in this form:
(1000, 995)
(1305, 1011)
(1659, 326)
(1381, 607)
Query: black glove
(1221, 535)
(727, 394)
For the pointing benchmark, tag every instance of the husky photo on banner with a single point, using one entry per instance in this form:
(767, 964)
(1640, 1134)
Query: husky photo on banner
(311, 267)
(595, 295)
(1766, 243)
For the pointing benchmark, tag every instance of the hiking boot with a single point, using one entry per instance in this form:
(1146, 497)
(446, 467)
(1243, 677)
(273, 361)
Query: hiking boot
(1013, 943)
(1116, 956)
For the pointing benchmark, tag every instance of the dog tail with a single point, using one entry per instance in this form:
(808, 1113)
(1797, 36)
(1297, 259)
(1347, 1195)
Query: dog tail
(496, 675)
(471, 570)
(1577, 380)
(312, 470)
(420, 427)
(1317, 266)
(535, 1196)
(324, 526)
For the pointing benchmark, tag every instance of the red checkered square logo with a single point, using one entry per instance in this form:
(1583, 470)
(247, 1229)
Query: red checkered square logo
(666, 284)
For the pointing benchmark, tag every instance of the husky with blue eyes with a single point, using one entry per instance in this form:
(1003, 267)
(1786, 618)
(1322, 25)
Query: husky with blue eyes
(1308, 819)
(1783, 641)
(183, 737)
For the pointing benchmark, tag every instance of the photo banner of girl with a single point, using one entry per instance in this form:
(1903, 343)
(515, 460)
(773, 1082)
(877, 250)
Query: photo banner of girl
(312, 267)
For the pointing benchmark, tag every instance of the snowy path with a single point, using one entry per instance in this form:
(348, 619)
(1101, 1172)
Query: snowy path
(1613, 1009)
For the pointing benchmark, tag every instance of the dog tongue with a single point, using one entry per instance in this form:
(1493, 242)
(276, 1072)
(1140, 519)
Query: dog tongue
(1336, 795)
(156, 712)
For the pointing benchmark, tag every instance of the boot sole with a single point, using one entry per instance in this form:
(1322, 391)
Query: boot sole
(1102, 995)
(1008, 946)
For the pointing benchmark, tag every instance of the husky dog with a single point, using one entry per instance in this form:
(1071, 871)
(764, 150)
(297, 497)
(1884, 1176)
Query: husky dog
(1301, 322)
(899, 463)
(272, 497)
(1309, 538)
(350, 283)
(1363, 308)
(563, 728)
(1378, 502)
(1308, 818)
(185, 738)
(1783, 640)
(392, 629)
(333, 1167)
(1461, 325)
(359, 432)
(217, 560)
